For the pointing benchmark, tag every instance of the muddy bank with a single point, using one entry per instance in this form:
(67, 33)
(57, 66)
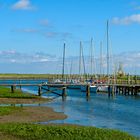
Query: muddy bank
(23, 101)
(32, 114)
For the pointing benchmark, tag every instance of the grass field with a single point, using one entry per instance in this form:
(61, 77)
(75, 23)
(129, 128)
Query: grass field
(56, 132)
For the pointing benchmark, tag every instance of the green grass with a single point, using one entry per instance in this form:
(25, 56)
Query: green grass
(43, 132)
(6, 93)
(8, 110)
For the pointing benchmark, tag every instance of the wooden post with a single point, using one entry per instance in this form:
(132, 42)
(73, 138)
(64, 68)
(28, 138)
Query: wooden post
(64, 94)
(113, 90)
(13, 87)
(135, 91)
(88, 90)
(119, 90)
(116, 90)
(125, 91)
(39, 90)
(128, 90)
(109, 91)
(132, 91)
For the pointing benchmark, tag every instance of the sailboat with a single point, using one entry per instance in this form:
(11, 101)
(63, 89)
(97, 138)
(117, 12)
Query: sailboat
(76, 83)
(105, 87)
(60, 81)
(93, 88)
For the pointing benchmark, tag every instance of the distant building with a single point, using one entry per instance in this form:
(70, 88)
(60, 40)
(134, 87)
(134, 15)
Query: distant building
(120, 69)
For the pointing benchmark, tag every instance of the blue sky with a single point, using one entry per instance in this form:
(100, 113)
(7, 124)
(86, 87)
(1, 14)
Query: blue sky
(32, 33)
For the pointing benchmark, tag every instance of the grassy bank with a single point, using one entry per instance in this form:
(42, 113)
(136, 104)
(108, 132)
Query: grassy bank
(18, 97)
(31, 76)
(57, 132)
(6, 110)
(6, 93)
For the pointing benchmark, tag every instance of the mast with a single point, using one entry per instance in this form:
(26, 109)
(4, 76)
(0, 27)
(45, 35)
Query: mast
(63, 69)
(91, 55)
(71, 69)
(83, 60)
(101, 59)
(107, 52)
(80, 55)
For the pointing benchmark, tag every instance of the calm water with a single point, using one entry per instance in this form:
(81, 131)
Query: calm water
(120, 112)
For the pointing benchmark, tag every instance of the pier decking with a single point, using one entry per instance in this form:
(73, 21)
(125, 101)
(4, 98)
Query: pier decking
(124, 89)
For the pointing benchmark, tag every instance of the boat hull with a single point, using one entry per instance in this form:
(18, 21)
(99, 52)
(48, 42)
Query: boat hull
(92, 88)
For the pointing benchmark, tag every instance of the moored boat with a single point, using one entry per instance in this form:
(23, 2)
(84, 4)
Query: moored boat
(93, 88)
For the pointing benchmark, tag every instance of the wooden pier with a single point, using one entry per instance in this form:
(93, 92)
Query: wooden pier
(113, 89)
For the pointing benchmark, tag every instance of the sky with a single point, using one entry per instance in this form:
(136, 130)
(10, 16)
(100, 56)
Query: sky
(32, 34)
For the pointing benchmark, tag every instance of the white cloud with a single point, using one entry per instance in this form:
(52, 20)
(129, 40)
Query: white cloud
(45, 22)
(130, 61)
(26, 30)
(22, 5)
(127, 20)
(50, 63)
(17, 57)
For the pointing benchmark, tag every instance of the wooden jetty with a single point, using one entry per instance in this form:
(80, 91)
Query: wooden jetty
(124, 89)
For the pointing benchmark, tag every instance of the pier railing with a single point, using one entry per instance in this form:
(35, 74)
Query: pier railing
(131, 82)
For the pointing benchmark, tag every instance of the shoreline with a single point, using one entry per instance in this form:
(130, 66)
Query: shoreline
(32, 114)
(29, 113)
(23, 101)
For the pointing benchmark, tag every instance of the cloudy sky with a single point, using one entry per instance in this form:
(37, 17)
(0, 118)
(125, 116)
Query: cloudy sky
(32, 33)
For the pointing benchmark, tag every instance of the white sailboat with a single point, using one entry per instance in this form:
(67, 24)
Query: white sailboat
(105, 87)
(93, 88)
(76, 83)
(60, 81)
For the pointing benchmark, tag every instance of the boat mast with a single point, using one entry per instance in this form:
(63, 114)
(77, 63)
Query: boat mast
(80, 55)
(63, 69)
(101, 59)
(107, 52)
(71, 69)
(91, 55)
(83, 60)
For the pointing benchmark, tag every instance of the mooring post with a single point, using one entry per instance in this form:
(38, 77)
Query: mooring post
(113, 90)
(119, 90)
(132, 91)
(39, 90)
(125, 90)
(64, 94)
(109, 90)
(88, 90)
(135, 91)
(13, 87)
(20, 84)
(116, 90)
